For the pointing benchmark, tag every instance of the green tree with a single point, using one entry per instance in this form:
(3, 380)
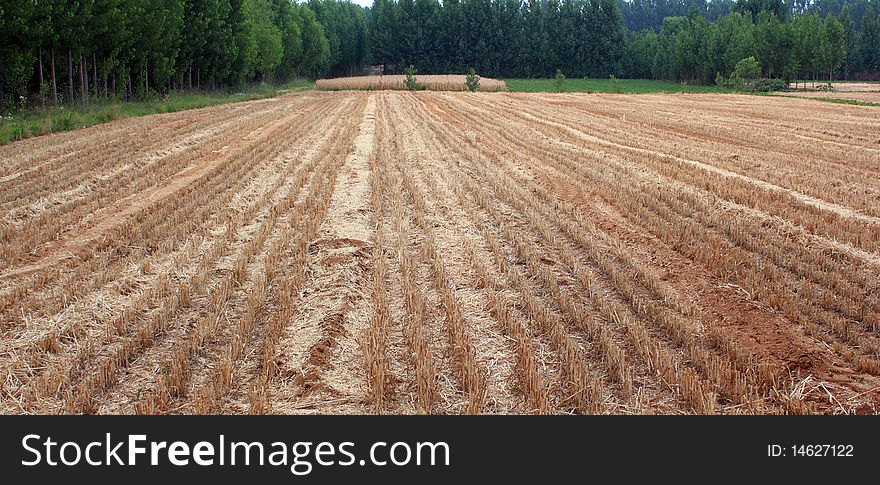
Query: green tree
(383, 38)
(640, 50)
(289, 23)
(832, 46)
(472, 81)
(316, 49)
(808, 33)
(747, 71)
(870, 40)
(559, 81)
(345, 27)
(267, 37)
(16, 56)
(409, 78)
(851, 41)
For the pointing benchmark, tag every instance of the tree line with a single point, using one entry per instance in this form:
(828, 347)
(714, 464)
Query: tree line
(698, 41)
(638, 15)
(498, 38)
(801, 45)
(74, 50)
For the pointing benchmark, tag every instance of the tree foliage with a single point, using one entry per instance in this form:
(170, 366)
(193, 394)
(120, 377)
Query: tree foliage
(800, 44)
(747, 70)
(76, 50)
(132, 48)
(498, 38)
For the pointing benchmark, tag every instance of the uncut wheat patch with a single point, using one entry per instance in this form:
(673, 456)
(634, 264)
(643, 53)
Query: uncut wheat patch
(431, 82)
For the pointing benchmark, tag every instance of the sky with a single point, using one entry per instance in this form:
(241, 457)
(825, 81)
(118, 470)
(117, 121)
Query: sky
(363, 3)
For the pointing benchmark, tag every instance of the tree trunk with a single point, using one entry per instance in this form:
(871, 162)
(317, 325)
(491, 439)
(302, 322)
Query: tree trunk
(70, 75)
(54, 84)
(41, 67)
(2, 93)
(95, 72)
(83, 79)
(199, 78)
(190, 76)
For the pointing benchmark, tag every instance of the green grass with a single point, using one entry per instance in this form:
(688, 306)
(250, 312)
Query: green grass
(37, 122)
(627, 86)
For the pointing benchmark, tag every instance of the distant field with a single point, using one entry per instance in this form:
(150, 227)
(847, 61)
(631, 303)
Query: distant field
(856, 86)
(861, 93)
(587, 85)
(866, 97)
(38, 122)
(433, 82)
(844, 85)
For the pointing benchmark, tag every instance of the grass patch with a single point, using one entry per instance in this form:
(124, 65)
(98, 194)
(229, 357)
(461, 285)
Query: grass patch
(626, 86)
(26, 124)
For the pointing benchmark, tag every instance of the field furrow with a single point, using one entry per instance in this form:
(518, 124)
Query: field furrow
(398, 252)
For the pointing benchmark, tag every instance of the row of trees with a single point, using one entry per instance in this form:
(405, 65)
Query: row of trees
(696, 41)
(73, 50)
(345, 27)
(638, 15)
(499, 38)
(803, 46)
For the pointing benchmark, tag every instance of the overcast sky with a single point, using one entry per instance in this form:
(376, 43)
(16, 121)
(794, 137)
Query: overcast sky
(363, 3)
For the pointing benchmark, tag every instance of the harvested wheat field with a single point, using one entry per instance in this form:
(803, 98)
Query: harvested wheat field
(433, 82)
(395, 252)
(867, 96)
(856, 86)
(853, 91)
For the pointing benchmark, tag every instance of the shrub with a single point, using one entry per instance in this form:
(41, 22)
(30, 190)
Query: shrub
(108, 114)
(44, 92)
(46, 125)
(18, 131)
(472, 81)
(616, 84)
(560, 81)
(410, 78)
(747, 70)
(768, 85)
(63, 121)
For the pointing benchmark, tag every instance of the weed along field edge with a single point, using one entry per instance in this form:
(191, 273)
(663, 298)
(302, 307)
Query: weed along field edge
(446, 253)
